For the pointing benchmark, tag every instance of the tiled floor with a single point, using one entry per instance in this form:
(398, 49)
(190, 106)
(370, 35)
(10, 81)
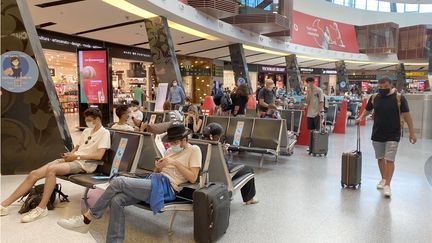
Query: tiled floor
(300, 201)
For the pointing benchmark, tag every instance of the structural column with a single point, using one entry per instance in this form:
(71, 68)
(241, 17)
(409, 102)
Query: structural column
(33, 126)
(239, 65)
(293, 72)
(400, 77)
(341, 77)
(162, 50)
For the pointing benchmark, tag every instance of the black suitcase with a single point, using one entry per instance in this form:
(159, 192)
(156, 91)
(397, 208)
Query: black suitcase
(352, 166)
(318, 144)
(211, 206)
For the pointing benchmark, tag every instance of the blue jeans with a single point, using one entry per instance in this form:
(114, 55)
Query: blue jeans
(122, 192)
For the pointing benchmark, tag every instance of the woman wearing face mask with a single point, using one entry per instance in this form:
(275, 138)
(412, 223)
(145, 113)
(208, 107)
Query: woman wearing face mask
(192, 121)
(176, 95)
(135, 116)
(94, 141)
(180, 164)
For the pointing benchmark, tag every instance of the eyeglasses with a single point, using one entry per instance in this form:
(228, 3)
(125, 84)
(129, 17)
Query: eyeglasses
(88, 140)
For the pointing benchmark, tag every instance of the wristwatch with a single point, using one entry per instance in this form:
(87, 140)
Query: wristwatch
(78, 157)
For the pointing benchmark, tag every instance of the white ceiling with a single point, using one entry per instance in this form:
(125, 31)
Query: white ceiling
(81, 16)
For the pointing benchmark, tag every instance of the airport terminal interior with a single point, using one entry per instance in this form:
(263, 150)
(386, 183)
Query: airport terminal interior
(216, 121)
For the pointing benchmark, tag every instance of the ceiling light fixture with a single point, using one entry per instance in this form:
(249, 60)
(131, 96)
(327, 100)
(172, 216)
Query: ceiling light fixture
(133, 9)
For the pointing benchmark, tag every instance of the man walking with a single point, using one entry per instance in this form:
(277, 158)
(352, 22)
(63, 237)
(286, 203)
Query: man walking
(390, 110)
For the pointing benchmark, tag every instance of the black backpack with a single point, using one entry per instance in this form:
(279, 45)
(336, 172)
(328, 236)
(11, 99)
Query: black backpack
(34, 196)
(226, 103)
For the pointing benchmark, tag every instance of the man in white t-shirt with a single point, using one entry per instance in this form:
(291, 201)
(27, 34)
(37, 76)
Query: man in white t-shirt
(315, 105)
(122, 112)
(180, 164)
(136, 115)
(94, 141)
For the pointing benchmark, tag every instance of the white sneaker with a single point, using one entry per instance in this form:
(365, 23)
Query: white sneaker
(387, 191)
(3, 211)
(381, 184)
(34, 214)
(75, 223)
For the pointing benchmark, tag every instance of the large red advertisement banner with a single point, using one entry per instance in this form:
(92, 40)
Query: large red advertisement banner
(93, 76)
(316, 32)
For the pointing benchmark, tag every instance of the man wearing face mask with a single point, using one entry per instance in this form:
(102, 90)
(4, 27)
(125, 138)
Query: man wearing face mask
(135, 116)
(390, 108)
(180, 164)
(176, 95)
(266, 98)
(315, 104)
(94, 141)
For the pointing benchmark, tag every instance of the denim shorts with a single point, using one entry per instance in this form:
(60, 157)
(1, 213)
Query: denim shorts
(385, 150)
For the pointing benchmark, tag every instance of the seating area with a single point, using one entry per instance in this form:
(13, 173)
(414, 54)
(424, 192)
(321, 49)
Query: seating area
(138, 156)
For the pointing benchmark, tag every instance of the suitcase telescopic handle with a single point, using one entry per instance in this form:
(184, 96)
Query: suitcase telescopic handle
(358, 137)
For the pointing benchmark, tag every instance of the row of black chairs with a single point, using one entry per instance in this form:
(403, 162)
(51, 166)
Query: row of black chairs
(138, 158)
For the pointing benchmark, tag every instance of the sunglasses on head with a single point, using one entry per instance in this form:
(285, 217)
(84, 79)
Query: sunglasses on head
(88, 140)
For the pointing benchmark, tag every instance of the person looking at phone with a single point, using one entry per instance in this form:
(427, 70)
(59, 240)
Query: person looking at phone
(122, 113)
(192, 121)
(93, 143)
(136, 116)
(180, 164)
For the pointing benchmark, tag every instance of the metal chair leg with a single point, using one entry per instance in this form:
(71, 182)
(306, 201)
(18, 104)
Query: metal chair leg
(170, 231)
(261, 161)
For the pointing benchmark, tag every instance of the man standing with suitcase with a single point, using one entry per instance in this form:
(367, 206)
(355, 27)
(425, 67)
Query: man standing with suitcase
(315, 104)
(390, 109)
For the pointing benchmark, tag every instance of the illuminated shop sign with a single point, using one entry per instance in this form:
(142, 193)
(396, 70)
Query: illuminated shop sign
(272, 69)
(318, 71)
(362, 77)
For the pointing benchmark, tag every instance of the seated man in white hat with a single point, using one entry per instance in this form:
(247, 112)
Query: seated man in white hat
(180, 164)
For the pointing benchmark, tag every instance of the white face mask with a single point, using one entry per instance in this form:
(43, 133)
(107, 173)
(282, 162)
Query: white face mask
(176, 148)
(90, 125)
(174, 84)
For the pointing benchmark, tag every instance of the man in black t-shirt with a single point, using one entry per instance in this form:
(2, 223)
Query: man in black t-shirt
(390, 107)
(266, 98)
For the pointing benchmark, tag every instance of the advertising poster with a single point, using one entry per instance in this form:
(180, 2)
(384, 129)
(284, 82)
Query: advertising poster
(19, 72)
(321, 33)
(119, 155)
(238, 133)
(93, 76)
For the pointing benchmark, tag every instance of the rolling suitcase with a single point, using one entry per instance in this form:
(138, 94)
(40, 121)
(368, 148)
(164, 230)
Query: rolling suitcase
(211, 206)
(352, 166)
(318, 144)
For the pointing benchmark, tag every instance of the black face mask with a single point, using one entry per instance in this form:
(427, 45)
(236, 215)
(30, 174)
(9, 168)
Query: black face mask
(384, 92)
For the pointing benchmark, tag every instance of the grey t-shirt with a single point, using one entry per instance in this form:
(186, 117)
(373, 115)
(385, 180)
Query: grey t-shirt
(313, 99)
(268, 97)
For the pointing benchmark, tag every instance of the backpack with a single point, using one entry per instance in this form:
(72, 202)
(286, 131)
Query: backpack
(226, 103)
(398, 100)
(218, 97)
(34, 196)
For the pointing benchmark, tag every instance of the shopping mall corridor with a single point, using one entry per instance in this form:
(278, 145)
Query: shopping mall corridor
(300, 201)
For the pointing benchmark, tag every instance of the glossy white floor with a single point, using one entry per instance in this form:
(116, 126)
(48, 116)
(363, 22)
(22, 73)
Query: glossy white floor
(300, 201)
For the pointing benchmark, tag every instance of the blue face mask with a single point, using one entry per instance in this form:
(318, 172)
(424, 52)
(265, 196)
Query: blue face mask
(383, 92)
(176, 148)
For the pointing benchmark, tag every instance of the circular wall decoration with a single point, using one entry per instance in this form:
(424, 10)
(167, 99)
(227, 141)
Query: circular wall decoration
(19, 72)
